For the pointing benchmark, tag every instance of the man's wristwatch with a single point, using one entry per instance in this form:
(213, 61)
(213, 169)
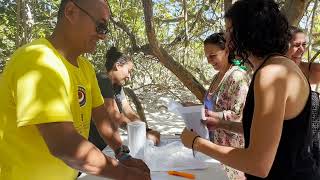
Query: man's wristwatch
(122, 153)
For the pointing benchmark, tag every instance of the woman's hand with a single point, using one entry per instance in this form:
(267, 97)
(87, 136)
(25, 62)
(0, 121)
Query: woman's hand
(154, 136)
(187, 137)
(214, 120)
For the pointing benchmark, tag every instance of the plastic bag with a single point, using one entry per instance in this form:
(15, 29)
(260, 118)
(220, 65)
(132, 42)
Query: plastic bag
(172, 156)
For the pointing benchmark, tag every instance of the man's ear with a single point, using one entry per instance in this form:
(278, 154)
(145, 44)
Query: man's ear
(71, 12)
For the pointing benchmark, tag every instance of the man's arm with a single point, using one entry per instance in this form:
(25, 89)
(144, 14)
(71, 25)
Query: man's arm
(108, 129)
(65, 143)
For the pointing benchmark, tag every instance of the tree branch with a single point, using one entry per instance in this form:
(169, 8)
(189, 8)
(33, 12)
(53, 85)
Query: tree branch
(227, 5)
(124, 28)
(129, 92)
(315, 56)
(294, 10)
(315, 5)
(184, 76)
(182, 33)
(127, 30)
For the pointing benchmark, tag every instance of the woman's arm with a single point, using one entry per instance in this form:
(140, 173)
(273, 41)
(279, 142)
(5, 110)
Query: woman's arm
(113, 112)
(128, 111)
(215, 120)
(234, 96)
(270, 96)
(231, 101)
(132, 116)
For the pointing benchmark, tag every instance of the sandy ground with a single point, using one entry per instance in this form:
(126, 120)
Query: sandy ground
(158, 117)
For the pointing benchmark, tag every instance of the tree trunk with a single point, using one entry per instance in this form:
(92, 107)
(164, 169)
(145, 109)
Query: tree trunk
(184, 76)
(129, 92)
(24, 23)
(18, 22)
(294, 10)
(315, 5)
(227, 5)
(186, 40)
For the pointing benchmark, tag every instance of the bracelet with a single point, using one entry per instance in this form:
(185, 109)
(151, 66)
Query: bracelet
(221, 115)
(192, 146)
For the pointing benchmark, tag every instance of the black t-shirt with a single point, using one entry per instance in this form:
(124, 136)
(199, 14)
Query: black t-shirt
(109, 90)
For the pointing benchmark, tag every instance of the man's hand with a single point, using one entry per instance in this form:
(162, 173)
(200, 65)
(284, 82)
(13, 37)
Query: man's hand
(136, 163)
(154, 136)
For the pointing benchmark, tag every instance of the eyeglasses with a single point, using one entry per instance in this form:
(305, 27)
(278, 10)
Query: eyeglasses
(101, 28)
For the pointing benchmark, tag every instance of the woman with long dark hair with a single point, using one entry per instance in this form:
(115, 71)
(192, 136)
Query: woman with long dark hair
(225, 97)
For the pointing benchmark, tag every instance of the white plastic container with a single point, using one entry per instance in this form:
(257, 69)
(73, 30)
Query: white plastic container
(136, 138)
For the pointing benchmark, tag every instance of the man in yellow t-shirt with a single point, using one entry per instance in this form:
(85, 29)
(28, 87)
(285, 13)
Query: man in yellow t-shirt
(48, 94)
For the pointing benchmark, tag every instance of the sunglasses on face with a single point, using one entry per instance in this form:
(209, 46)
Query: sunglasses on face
(101, 27)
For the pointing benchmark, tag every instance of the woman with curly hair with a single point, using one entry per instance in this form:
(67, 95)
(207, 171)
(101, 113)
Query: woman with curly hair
(276, 123)
(297, 48)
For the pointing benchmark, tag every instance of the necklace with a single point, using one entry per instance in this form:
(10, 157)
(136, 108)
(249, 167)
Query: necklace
(217, 81)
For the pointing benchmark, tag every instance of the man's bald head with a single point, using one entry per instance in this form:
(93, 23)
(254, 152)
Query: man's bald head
(83, 23)
(90, 5)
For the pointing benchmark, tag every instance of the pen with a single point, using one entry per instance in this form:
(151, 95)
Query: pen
(182, 174)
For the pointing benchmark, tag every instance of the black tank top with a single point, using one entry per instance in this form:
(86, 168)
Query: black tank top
(293, 160)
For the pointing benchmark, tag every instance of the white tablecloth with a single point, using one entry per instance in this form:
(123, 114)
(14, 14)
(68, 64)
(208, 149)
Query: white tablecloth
(213, 172)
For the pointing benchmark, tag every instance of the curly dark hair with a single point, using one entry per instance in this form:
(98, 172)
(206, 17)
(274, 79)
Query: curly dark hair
(114, 56)
(258, 28)
(219, 40)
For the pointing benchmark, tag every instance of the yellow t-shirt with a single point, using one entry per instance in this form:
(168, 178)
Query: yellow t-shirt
(39, 86)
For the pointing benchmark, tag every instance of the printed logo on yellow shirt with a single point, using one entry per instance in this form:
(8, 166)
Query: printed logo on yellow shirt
(82, 95)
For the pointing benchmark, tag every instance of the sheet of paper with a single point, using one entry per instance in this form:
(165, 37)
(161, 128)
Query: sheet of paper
(192, 116)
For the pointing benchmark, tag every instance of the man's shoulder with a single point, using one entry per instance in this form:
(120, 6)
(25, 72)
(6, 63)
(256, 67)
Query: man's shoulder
(39, 54)
(38, 47)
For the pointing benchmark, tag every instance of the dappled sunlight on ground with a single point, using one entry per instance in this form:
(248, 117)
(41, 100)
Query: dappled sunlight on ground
(157, 114)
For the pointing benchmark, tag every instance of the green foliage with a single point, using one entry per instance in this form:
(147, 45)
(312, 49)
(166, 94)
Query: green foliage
(203, 19)
(41, 20)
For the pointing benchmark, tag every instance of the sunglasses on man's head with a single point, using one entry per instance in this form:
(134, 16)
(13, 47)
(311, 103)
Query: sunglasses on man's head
(101, 27)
